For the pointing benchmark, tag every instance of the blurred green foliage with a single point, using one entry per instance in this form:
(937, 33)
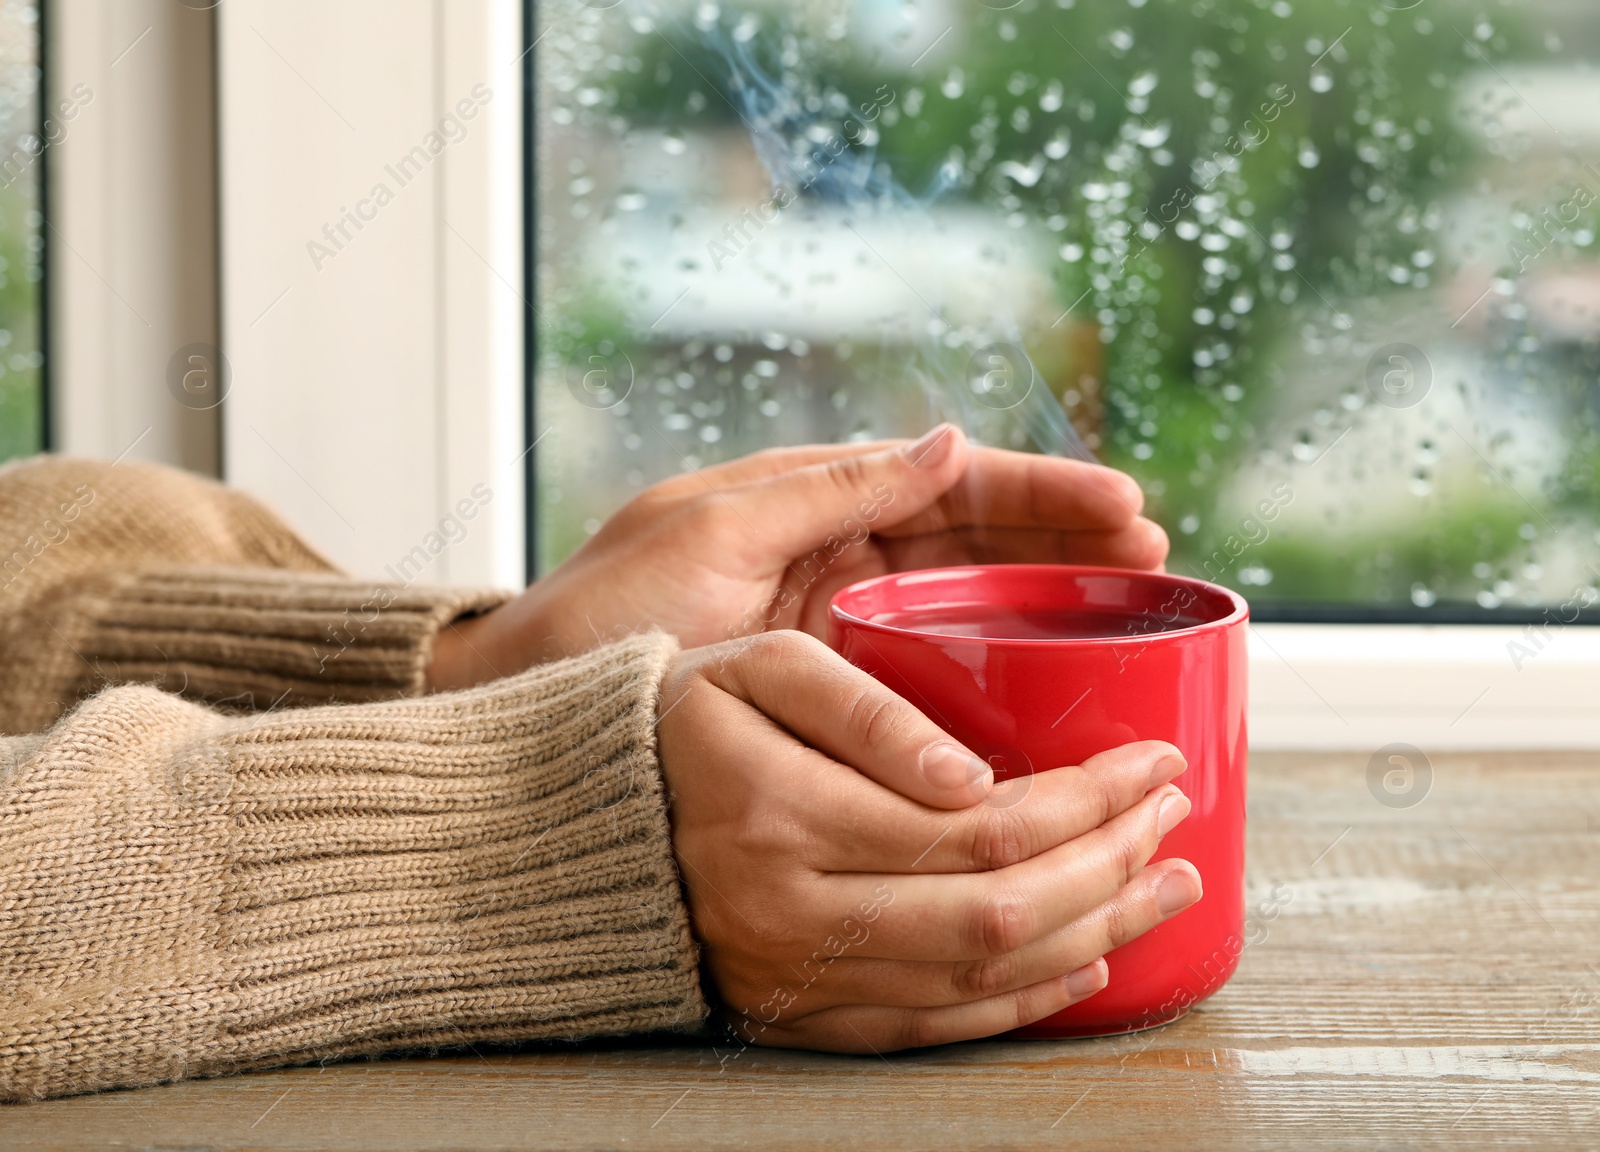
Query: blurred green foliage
(21, 411)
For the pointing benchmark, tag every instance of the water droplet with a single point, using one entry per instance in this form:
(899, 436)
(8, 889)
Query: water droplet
(1423, 596)
(1023, 175)
(1189, 525)
(631, 200)
(1155, 137)
(1309, 156)
(673, 143)
(1321, 80)
(954, 84)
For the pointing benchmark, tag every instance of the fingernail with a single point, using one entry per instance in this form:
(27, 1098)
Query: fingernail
(1089, 978)
(1177, 892)
(931, 450)
(1172, 811)
(1165, 769)
(952, 766)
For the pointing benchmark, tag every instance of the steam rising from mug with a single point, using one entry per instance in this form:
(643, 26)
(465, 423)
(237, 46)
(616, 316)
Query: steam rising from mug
(795, 146)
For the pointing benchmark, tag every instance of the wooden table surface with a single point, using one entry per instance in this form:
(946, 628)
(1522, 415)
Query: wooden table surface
(1431, 980)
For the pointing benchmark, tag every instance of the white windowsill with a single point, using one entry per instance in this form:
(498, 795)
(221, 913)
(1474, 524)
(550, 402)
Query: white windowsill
(1319, 686)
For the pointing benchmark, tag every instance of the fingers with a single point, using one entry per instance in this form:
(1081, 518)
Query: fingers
(978, 915)
(993, 476)
(880, 1029)
(1020, 490)
(1140, 544)
(797, 511)
(1158, 893)
(809, 689)
(775, 461)
(892, 834)
(934, 484)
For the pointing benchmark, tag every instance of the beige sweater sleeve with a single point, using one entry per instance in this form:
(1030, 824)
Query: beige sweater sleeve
(134, 573)
(184, 893)
(187, 891)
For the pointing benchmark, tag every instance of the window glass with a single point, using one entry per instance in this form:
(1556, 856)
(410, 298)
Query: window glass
(21, 244)
(1322, 275)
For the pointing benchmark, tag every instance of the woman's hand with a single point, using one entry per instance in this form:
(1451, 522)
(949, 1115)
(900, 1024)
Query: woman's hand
(763, 543)
(851, 884)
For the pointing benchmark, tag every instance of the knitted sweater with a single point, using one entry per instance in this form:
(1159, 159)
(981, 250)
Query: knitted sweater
(234, 834)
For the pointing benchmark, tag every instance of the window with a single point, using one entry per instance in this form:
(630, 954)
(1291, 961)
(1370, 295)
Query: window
(23, 140)
(1322, 275)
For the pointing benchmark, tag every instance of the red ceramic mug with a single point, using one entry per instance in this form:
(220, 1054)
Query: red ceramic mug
(1034, 666)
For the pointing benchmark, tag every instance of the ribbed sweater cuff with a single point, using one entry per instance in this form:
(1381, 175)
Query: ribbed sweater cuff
(255, 637)
(485, 865)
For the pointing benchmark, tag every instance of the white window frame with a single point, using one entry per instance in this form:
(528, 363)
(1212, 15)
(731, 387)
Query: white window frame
(371, 396)
(130, 224)
(378, 368)
(1438, 687)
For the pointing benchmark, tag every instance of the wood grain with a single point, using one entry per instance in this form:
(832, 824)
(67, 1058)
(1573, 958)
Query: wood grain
(1431, 978)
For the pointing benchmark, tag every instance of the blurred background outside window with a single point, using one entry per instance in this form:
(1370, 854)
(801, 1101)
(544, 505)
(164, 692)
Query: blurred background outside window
(1323, 276)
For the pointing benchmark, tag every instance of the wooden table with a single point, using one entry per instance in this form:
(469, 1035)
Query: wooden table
(1432, 980)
